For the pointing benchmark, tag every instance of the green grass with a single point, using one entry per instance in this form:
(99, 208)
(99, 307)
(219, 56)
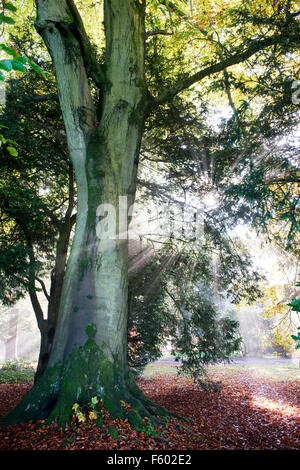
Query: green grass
(278, 372)
(16, 372)
(155, 369)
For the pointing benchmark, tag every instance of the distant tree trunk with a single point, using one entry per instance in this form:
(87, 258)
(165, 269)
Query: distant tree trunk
(11, 343)
(89, 353)
(48, 326)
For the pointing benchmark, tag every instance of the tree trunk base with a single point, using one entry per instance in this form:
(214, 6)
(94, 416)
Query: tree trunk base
(90, 372)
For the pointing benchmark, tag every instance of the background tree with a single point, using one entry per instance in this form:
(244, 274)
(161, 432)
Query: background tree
(13, 62)
(295, 305)
(29, 111)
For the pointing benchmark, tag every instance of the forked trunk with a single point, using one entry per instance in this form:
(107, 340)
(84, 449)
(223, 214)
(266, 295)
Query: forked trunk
(89, 354)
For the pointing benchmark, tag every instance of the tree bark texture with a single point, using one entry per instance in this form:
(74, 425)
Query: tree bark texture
(89, 353)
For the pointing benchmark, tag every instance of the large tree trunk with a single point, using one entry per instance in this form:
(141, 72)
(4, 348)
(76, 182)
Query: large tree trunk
(89, 353)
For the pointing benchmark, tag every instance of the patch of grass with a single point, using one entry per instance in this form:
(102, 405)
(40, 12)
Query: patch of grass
(275, 371)
(278, 372)
(155, 369)
(16, 372)
(227, 369)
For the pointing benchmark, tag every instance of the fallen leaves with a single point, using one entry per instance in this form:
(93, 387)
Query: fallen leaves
(248, 413)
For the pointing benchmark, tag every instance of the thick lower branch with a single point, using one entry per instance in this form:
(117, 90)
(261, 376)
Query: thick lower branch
(233, 59)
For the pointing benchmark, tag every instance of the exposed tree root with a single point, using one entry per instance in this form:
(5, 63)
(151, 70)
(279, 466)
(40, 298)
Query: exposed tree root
(87, 374)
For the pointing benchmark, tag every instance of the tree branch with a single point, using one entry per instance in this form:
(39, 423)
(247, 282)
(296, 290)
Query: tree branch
(228, 92)
(73, 219)
(41, 98)
(43, 287)
(93, 67)
(32, 277)
(60, 25)
(71, 202)
(158, 32)
(173, 7)
(185, 315)
(234, 59)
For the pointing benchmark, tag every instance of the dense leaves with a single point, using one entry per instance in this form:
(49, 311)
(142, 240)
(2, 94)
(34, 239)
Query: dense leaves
(33, 184)
(295, 306)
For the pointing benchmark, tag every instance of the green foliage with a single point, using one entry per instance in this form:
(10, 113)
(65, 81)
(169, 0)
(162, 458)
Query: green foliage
(261, 150)
(254, 174)
(91, 330)
(148, 316)
(171, 300)
(295, 305)
(6, 19)
(16, 63)
(9, 6)
(297, 339)
(14, 270)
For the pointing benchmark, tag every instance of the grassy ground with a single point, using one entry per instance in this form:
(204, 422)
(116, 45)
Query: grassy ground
(256, 408)
(21, 372)
(272, 369)
(278, 372)
(16, 372)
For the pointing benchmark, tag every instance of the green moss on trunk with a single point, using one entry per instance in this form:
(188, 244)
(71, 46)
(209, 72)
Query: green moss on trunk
(89, 371)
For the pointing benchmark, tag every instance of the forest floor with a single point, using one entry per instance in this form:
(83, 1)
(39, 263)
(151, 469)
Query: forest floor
(257, 408)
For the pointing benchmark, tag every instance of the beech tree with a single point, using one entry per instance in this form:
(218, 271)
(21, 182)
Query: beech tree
(104, 132)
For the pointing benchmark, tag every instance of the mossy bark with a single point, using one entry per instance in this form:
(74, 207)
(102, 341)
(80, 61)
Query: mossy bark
(88, 372)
